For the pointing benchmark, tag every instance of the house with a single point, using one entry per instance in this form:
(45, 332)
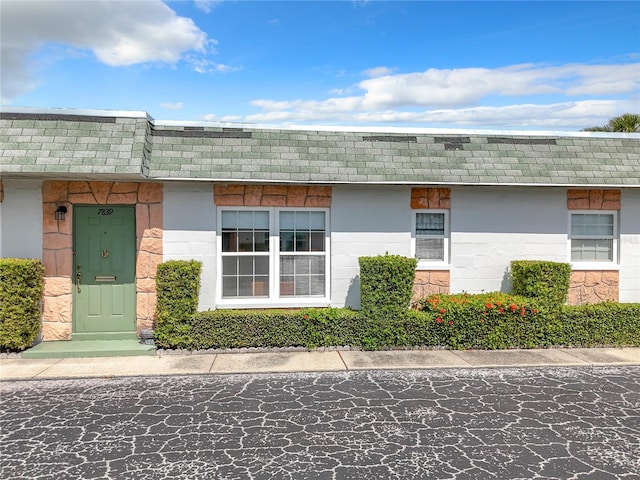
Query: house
(279, 216)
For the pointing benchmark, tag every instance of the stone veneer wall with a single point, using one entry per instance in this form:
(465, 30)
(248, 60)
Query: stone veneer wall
(592, 286)
(429, 282)
(57, 257)
(582, 199)
(428, 197)
(272, 196)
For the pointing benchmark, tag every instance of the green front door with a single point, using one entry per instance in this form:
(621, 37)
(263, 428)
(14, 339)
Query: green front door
(104, 244)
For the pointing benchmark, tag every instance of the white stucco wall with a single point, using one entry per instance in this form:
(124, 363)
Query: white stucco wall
(630, 246)
(365, 220)
(21, 219)
(491, 226)
(189, 218)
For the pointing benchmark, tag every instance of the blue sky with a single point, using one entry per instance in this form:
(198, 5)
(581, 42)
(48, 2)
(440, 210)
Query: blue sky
(542, 65)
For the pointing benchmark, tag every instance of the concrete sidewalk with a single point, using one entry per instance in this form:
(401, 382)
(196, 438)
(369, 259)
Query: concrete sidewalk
(275, 362)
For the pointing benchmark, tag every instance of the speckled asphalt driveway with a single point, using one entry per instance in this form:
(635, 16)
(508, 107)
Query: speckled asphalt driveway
(551, 423)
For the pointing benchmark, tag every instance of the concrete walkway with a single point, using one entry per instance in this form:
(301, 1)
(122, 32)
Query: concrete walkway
(274, 362)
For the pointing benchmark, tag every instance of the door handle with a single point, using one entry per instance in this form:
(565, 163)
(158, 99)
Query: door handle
(78, 278)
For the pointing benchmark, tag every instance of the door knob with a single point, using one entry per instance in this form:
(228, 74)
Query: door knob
(78, 278)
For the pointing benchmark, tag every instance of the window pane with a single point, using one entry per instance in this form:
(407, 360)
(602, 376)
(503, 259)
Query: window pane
(229, 266)
(286, 265)
(229, 219)
(317, 241)
(261, 241)
(317, 264)
(302, 275)
(245, 276)
(245, 286)
(592, 250)
(286, 286)
(302, 285)
(261, 286)
(302, 241)
(287, 221)
(317, 220)
(245, 265)
(317, 285)
(430, 224)
(245, 241)
(245, 219)
(301, 265)
(286, 241)
(261, 220)
(303, 220)
(229, 241)
(262, 265)
(592, 224)
(430, 248)
(229, 286)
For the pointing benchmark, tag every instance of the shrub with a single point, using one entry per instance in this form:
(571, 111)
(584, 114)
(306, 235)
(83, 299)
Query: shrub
(490, 320)
(548, 282)
(309, 328)
(601, 324)
(178, 287)
(21, 288)
(386, 284)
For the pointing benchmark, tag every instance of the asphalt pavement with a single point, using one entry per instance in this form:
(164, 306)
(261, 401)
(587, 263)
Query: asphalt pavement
(576, 422)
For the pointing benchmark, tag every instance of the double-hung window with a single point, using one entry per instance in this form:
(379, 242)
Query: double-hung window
(431, 236)
(593, 236)
(273, 254)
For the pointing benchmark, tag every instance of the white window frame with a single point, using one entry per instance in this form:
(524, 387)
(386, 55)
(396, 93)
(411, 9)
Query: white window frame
(274, 300)
(425, 263)
(594, 264)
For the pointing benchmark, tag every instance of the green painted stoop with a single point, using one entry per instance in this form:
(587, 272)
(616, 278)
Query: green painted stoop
(92, 345)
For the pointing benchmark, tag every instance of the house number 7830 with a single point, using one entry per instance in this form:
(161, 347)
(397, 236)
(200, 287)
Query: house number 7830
(105, 211)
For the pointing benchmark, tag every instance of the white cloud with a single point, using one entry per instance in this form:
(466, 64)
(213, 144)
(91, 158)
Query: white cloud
(468, 86)
(206, 5)
(118, 33)
(202, 65)
(172, 106)
(378, 72)
(211, 117)
(563, 96)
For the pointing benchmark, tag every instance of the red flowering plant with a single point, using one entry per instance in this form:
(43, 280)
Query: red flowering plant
(488, 320)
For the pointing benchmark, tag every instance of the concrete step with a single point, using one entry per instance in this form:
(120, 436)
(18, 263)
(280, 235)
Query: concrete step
(89, 348)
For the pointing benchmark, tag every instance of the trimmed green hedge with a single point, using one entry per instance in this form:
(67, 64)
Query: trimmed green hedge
(488, 321)
(485, 321)
(463, 321)
(548, 282)
(270, 328)
(21, 288)
(601, 324)
(178, 288)
(386, 284)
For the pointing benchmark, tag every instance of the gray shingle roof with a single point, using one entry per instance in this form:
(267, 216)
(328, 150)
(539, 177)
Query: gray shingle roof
(101, 147)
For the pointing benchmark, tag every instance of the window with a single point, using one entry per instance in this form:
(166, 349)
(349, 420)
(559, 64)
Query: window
(593, 236)
(272, 253)
(431, 236)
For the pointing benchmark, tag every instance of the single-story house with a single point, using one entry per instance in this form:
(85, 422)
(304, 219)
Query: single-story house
(279, 216)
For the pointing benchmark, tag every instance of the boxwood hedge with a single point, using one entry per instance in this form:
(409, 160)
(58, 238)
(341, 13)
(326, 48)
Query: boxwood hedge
(21, 288)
